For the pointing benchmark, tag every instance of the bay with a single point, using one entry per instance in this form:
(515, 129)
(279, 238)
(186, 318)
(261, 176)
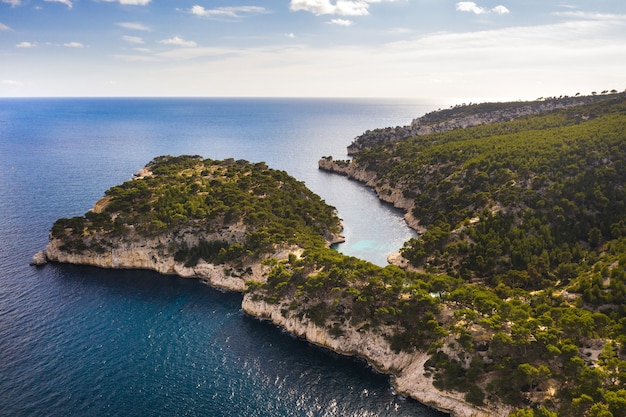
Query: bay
(83, 341)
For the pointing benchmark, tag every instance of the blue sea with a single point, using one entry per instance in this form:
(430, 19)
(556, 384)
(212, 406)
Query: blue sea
(81, 341)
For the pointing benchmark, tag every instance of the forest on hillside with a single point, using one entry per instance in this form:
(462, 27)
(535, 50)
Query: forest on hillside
(516, 289)
(201, 196)
(526, 242)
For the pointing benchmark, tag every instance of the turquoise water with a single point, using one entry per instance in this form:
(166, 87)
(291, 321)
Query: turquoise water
(79, 341)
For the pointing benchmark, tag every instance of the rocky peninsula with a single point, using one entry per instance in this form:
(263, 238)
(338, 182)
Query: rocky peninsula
(510, 302)
(162, 220)
(290, 281)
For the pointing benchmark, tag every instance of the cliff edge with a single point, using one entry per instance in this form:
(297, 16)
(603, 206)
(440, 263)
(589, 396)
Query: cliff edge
(410, 377)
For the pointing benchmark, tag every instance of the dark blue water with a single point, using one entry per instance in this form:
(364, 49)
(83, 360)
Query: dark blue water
(77, 341)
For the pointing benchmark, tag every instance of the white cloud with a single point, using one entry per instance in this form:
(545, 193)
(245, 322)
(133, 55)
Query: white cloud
(68, 3)
(13, 3)
(500, 10)
(591, 16)
(11, 82)
(512, 62)
(470, 6)
(130, 2)
(4, 27)
(341, 22)
(290, 35)
(134, 26)
(508, 63)
(133, 39)
(182, 54)
(340, 7)
(178, 41)
(230, 12)
(73, 45)
(26, 45)
(178, 54)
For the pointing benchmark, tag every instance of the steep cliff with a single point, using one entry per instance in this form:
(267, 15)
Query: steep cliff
(409, 375)
(390, 194)
(150, 254)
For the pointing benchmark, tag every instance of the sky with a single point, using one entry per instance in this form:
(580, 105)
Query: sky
(419, 49)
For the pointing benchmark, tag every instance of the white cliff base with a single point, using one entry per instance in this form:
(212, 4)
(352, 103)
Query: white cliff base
(144, 256)
(407, 369)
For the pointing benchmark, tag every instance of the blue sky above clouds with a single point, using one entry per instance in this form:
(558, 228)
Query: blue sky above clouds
(452, 50)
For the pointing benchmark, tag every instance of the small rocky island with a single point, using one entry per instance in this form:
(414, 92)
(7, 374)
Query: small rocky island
(510, 303)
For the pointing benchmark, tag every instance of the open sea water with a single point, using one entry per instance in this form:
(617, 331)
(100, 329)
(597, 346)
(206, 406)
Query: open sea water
(81, 341)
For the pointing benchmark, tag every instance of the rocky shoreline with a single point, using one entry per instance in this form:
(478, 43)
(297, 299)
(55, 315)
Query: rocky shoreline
(384, 192)
(408, 375)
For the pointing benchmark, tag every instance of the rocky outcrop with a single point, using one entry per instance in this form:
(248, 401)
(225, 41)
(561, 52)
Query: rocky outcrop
(39, 258)
(409, 376)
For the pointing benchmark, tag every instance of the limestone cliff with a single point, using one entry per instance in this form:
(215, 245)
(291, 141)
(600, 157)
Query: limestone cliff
(385, 192)
(409, 376)
(145, 255)
(241, 227)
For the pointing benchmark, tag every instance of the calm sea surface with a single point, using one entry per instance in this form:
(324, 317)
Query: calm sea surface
(79, 341)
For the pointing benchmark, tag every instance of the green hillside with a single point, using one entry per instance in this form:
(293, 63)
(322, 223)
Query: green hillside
(526, 244)
(517, 289)
(189, 194)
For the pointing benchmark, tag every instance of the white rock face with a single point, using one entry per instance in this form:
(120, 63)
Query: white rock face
(407, 369)
(146, 254)
(384, 192)
(39, 258)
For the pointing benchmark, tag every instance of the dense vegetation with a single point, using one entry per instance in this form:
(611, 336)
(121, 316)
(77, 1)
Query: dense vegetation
(336, 291)
(188, 193)
(517, 289)
(463, 116)
(526, 223)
